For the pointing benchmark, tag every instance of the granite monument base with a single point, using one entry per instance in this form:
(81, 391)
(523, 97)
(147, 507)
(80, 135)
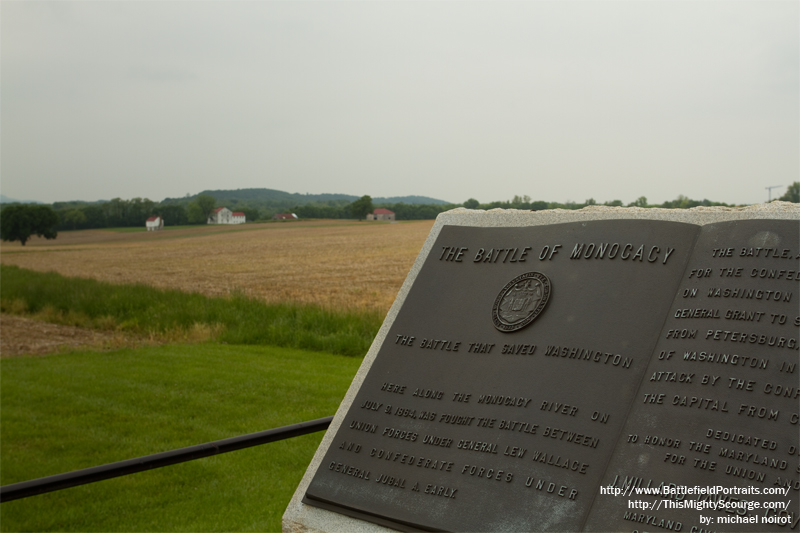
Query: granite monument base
(540, 371)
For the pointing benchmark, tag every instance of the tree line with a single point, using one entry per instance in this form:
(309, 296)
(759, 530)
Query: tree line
(119, 213)
(20, 221)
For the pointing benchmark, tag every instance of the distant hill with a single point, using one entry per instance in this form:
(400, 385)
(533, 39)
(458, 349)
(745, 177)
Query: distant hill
(409, 200)
(282, 198)
(6, 200)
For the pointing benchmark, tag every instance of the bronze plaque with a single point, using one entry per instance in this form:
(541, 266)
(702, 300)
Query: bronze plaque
(529, 368)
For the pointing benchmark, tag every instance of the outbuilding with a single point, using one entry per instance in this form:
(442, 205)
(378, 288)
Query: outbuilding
(154, 224)
(381, 214)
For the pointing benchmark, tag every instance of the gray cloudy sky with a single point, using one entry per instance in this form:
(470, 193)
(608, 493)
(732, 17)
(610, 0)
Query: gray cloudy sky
(559, 100)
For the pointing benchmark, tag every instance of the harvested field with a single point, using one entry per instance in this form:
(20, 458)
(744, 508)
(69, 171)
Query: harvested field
(337, 264)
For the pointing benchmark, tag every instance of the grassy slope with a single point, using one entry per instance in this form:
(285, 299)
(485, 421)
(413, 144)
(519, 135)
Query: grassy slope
(146, 310)
(81, 409)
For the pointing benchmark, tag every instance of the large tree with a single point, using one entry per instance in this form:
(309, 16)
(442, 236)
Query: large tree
(472, 203)
(173, 215)
(361, 207)
(639, 202)
(250, 213)
(207, 204)
(19, 222)
(792, 193)
(74, 218)
(199, 210)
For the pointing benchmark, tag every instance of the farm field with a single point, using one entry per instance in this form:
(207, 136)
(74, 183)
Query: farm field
(336, 264)
(73, 397)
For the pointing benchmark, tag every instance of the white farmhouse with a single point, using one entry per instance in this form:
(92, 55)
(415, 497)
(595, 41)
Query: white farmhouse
(154, 223)
(223, 215)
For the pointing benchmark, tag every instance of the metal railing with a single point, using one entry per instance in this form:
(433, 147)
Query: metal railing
(25, 489)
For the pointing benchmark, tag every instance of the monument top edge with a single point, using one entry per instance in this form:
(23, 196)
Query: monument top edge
(696, 215)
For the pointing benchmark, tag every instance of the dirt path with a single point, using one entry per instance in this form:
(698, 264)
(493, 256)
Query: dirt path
(26, 336)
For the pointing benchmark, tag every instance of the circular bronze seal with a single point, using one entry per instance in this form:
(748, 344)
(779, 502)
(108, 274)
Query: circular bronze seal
(520, 301)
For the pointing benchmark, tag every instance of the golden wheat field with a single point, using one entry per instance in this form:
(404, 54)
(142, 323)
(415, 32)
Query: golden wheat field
(339, 264)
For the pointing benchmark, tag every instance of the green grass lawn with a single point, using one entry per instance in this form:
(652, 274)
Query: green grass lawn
(76, 410)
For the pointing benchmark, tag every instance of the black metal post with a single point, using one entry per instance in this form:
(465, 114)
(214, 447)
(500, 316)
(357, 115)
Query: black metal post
(24, 489)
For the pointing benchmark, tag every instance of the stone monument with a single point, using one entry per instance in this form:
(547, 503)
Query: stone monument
(552, 370)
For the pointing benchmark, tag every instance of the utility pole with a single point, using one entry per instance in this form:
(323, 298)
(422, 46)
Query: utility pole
(770, 191)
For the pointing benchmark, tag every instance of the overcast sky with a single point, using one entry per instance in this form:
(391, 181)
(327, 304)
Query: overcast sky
(560, 100)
